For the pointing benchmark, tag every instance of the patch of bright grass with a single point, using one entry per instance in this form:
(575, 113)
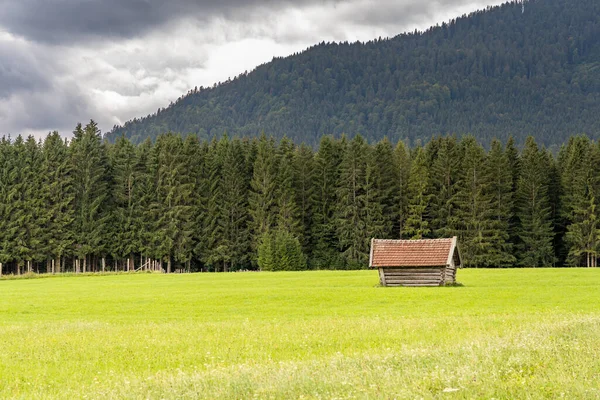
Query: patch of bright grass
(529, 333)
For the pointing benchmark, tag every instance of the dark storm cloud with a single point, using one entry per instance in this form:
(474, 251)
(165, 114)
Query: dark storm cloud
(20, 70)
(79, 20)
(68, 21)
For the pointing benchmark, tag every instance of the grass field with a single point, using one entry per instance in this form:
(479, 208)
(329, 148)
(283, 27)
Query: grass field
(505, 334)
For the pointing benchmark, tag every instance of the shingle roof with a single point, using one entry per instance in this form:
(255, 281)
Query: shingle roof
(411, 253)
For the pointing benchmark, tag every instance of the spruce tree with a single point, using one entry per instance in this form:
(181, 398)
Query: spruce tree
(535, 232)
(266, 257)
(58, 199)
(144, 225)
(580, 182)
(210, 191)
(32, 203)
(499, 180)
(304, 175)
(474, 206)
(8, 180)
(288, 217)
(378, 212)
(262, 198)
(403, 167)
(175, 189)
(326, 182)
(386, 187)
(288, 252)
(91, 185)
(444, 186)
(233, 207)
(513, 157)
(419, 198)
(125, 199)
(352, 201)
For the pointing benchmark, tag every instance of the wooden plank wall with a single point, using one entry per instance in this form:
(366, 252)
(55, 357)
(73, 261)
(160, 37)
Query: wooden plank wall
(450, 274)
(413, 276)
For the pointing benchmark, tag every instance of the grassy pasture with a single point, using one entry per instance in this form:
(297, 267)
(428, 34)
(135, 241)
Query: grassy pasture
(506, 334)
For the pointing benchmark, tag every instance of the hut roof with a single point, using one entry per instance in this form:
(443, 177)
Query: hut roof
(412, 253)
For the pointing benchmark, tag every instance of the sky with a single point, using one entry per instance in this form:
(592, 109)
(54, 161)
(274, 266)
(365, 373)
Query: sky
(69, 61)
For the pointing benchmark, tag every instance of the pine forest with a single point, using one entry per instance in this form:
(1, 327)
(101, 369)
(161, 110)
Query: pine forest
(182, 204)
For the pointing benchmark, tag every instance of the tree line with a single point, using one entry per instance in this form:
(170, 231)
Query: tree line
(180, 204)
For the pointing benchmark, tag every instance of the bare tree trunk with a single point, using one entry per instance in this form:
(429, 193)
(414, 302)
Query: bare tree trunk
(169, 265)
(588, 260)
(103, 264)
(85, 264)
(1, 265)
(52, 267)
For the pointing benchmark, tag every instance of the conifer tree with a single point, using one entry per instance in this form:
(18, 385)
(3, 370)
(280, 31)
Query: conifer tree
(474, 208)
(58, 199)
(266, 258)
(20, 217)
(288, 252)
(513, 157)
(210, 191)
(91, 183)
(279, 250)
(325, 243)
(352, 200)
(499, 180)
(444, 186)
(417, 223)
(31, 203)
(288, 218)
(125, 199)
(233, 207)
(385, 193)
(403, 167)
(191, 178)
(8, 181)
(175, 189)
(304, 175)
(580, 184)
(535, 233)
(378, 196)
(146, 193)
(262, 198)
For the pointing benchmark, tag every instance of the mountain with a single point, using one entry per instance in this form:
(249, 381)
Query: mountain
(523, 68)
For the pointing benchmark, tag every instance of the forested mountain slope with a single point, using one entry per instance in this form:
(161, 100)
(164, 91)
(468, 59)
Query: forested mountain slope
(520, 69)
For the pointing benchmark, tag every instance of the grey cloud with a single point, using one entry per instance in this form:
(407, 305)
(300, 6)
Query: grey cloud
(68, 21)
(405, 13)
(33, 95)
(20, 70)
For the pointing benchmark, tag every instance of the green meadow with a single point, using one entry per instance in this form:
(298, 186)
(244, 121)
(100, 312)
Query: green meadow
(504, 334)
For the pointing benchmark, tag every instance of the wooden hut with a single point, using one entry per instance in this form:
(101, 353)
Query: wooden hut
(429, 262)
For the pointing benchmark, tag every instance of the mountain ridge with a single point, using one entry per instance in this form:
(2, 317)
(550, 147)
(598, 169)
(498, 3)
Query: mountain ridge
(516, 69)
